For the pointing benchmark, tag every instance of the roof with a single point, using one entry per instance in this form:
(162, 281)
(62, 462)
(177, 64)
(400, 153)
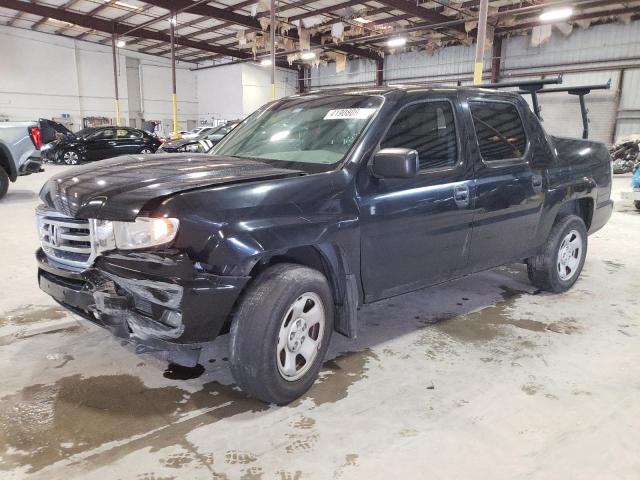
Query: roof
(211, 32)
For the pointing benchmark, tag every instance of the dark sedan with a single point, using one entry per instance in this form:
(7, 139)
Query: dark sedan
(98, 143)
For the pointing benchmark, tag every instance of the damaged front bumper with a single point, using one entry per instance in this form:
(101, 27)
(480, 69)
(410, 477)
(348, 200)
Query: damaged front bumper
(160, 302)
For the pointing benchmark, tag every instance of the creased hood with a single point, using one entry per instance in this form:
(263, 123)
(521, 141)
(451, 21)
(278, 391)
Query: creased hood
(119, 188)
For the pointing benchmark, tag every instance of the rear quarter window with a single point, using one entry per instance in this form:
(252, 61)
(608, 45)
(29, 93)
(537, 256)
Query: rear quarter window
(499, 130)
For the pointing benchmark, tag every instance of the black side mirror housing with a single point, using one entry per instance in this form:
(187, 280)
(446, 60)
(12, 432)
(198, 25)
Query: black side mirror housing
(395, 163)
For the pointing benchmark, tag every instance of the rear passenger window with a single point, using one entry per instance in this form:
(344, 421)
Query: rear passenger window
(499, 130)
(429, 128)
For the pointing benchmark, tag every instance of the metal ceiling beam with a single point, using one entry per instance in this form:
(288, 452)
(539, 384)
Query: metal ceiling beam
(207, 11)
(248, 22)
(108, 26)
(423, 13)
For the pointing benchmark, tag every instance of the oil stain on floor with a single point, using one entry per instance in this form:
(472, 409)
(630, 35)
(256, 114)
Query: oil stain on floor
(32, 314)
(43, 424)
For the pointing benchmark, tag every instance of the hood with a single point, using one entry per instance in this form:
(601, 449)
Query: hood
(119, 188)
(49, 129)
(179, 143)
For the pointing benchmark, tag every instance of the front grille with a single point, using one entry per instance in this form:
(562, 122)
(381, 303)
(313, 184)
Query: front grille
(65, 240)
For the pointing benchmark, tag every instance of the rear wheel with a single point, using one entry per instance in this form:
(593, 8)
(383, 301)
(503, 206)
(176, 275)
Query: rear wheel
(146, 150)
(281, 332)
(71, 157)
(558, 267)
(636, 203)
(4, 182)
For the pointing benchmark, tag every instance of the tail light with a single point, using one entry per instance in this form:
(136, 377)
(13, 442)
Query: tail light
(36, 137)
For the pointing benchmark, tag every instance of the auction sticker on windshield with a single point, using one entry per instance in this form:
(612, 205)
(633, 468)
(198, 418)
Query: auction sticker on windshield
(348, 113)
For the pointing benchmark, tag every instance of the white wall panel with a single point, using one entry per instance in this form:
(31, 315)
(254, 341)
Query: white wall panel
(47, 76)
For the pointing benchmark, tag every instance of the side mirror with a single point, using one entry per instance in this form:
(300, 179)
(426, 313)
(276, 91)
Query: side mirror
(395, 163)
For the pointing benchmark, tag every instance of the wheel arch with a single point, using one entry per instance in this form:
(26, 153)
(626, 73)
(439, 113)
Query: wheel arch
(582, 207)
(7, 164)
(330, 260)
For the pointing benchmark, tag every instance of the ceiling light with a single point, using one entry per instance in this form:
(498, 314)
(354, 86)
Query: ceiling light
(361, 20)
(396, 42)
(172, 21)
(556, 14)
(126, 5)
(121, 44)
(265, 62)
(308, 55)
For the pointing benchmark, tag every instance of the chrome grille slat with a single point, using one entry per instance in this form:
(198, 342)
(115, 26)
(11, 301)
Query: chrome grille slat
(67, 248)
(77, 237)
(68, 241)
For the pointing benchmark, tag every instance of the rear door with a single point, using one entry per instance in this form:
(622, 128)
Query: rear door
(100, 144)
(415, 232)
(128, 141)
(509, 190)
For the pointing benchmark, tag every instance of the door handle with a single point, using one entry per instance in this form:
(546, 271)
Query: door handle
(461, 195)
(111, 143)
(536, 182)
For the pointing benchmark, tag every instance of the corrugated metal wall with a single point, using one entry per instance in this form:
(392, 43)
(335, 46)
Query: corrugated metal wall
(589, 56)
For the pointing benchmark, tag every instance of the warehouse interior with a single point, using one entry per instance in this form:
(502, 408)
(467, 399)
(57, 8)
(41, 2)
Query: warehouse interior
(485, 375)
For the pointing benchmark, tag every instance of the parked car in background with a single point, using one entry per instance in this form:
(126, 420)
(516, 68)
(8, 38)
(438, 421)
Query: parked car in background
(313, 206)
(20, 144)
(197, 131)
(92, 144)
(201, 143)
(634, 194)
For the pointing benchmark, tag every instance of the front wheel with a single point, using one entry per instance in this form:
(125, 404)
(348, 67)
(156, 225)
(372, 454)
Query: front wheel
(281, 332)
(4, 182)
(636, 203)
(146, 150)
(71, 157)
(559, 264)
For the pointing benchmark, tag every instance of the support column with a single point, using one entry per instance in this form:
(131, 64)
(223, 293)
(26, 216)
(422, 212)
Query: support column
(174, 97)
(114, 39)
(272, 42)
(496, 58)
(480, 41)
(379, 71)
(302, 73)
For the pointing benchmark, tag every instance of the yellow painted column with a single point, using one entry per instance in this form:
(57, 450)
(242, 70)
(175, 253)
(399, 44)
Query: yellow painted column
(117, 112)
(174, 104)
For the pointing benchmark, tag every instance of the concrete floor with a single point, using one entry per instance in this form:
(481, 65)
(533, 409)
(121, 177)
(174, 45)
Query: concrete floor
(480, 378)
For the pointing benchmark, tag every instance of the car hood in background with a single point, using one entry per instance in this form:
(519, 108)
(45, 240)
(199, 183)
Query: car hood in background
(119, 188)
(173, 144)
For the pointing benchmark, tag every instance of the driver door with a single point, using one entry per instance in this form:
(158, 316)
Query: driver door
(415, 232)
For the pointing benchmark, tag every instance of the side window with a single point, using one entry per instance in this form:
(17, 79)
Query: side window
(124, 133)
(104, 134)
(429, 128)
(499, 130)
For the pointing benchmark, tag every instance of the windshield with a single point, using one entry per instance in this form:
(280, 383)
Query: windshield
(312, 133)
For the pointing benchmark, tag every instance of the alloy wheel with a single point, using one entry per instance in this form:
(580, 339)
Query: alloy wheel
(569, 255)
(300, 336)
(71, 157)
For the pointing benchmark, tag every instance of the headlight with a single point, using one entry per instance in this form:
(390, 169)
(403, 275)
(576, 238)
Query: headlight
(194, 147)
(143, 233)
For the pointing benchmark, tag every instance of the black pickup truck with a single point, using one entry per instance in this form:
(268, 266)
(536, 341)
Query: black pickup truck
(312, 206)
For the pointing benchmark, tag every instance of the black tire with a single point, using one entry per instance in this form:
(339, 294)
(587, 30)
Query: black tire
(544, 269)
(636, 203)
(257, 325)
(4, 182)
(146, 151)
